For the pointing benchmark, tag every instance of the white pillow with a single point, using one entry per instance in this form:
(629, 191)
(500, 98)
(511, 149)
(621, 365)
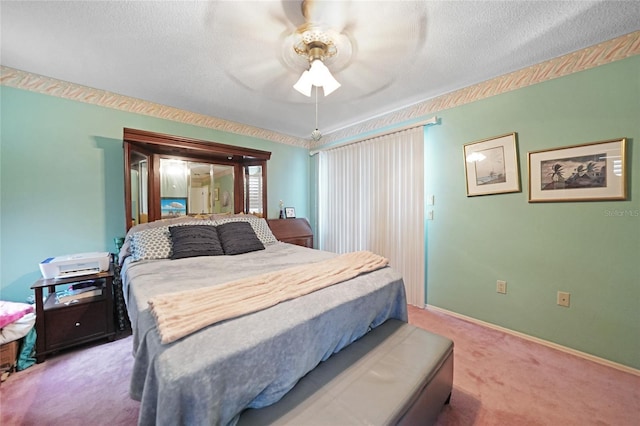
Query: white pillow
(153, 243)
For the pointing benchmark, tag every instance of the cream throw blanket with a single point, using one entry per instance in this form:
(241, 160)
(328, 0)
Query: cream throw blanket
(182, 313)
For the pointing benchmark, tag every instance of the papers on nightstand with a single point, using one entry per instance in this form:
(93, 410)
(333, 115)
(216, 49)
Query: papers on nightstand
(78, 291)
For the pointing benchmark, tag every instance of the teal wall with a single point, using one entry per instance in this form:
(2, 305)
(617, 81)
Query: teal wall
(62, 184)
(583, 248)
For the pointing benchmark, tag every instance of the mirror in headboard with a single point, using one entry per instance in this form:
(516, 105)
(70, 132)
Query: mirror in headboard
(168, 176)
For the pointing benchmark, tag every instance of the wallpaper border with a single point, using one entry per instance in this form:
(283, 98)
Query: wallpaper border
(613, 50)
(606, 52)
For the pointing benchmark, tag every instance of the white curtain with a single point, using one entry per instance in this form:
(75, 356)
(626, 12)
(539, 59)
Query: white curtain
(371, 197)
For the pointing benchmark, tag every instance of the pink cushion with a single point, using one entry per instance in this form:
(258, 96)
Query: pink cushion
(12, 311)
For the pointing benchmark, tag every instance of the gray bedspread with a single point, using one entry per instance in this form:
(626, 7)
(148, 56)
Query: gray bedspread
(209, 377)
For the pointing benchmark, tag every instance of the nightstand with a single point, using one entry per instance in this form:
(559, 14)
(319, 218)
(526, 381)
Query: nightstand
(294, 231)
(63, 325)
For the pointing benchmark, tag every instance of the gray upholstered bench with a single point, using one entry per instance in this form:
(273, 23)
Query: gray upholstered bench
(397, 374)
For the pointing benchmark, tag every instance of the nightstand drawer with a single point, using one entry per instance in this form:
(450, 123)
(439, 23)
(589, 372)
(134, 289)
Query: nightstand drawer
(75, 323)
(300, 241)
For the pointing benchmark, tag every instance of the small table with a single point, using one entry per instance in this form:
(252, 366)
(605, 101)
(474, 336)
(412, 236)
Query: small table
(294, 231)
(64, 325)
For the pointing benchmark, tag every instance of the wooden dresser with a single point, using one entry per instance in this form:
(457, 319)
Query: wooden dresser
(294, 231)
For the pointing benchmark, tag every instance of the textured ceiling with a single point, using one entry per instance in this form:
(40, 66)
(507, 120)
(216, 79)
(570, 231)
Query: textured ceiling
(233, 59)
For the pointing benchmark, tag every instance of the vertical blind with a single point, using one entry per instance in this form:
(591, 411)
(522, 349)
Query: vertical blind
(371, 197)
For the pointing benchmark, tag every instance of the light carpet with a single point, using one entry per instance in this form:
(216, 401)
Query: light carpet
(499, 379)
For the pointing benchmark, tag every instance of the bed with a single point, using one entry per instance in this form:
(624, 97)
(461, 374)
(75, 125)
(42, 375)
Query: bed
(251, 361)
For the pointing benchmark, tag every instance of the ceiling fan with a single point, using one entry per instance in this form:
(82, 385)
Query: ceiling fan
(363, 44)
(314, 40)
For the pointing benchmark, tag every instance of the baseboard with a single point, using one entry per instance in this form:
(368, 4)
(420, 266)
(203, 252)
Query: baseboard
(565, 349)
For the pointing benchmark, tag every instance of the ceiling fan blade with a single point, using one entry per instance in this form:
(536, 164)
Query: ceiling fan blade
(390, 25)
(251, 50)
(263, 20)
(327, 14)
(376, 42)
(257, 51)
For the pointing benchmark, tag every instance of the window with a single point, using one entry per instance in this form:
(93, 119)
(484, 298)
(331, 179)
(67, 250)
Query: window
(253, 189)
(371, 198)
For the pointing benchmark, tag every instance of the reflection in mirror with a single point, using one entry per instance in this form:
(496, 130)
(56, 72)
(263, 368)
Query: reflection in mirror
(139, 172)
(168, 176)
(253, 190)
(188, 187)
(223, 181)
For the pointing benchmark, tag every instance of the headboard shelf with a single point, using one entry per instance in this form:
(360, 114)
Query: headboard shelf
(216, 178)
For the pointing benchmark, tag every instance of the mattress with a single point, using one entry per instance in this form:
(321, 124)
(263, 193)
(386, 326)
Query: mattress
(210, 376)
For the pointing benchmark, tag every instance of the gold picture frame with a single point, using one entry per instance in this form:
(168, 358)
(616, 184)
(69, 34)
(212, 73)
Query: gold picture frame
(594, 171)
(491, 165)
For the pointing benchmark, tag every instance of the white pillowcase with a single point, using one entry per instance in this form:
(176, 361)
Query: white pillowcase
(154, 243)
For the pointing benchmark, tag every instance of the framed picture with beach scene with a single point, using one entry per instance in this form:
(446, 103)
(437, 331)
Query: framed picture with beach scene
(173, 206)
(491, 166)
(589, 172)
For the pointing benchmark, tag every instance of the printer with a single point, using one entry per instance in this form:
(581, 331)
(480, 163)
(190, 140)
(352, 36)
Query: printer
(74, 265)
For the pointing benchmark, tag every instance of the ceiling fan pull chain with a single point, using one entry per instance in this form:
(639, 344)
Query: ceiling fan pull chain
(316, 135)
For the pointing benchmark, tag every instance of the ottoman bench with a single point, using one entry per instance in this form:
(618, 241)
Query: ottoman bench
(397, 374)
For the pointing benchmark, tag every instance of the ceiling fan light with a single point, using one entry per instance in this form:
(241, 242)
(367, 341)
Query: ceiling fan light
(304, 84)
(321, 77)
(317, 75)
(318, 72)
(330, 85)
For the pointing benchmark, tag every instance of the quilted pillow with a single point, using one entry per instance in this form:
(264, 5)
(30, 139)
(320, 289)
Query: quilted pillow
(259, 225)
(195, 240)
(153, 243)
(238, 237)
(127, 249)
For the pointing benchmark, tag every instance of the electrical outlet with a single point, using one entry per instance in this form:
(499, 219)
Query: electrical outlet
(564, 298)
(501, 286)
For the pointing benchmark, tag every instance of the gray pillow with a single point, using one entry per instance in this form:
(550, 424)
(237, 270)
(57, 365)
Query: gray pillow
(195, 240)
(238, 238)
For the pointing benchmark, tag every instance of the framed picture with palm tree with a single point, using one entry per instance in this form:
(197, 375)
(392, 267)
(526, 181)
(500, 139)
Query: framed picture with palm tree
(589, 172)
(491, 165)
